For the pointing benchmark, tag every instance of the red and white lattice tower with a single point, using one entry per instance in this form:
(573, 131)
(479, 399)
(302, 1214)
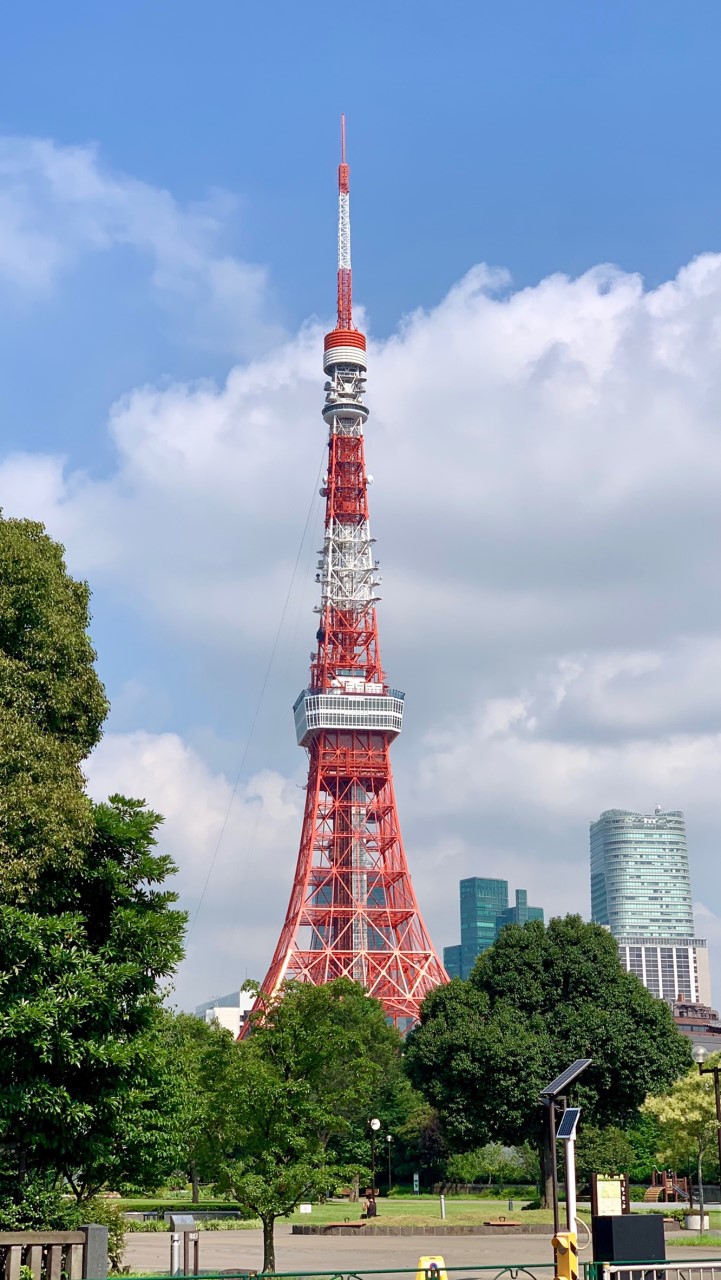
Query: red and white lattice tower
(352, 909)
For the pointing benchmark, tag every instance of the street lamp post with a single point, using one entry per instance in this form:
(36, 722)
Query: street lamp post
(699, 1057)
(389, 1139)
(374, 1127)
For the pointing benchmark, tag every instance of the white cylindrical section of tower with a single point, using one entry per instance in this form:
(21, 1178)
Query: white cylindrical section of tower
(344, 231)
(344, 355)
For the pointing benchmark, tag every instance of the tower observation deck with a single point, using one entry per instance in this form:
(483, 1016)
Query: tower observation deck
(352, 909)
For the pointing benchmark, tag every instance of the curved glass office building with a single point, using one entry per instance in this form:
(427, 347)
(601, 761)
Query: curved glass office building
(641, 891)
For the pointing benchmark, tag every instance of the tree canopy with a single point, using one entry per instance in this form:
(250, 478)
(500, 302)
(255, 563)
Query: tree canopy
(686, 1118)
(296, 1098)
(52, 706)
(88, 928)
(535, 1001)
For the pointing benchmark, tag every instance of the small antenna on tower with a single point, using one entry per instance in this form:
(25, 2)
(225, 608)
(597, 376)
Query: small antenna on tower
(345, 302)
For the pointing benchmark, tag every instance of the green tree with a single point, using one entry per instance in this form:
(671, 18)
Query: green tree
(492, 1162)
(686, 1117)
(204, 1054)
(608, 1150)
(305, 1082)
(644, 1137)
(88, 928)
(535, 1001)
(52, 706)
(83, 1080)
(418, 1144)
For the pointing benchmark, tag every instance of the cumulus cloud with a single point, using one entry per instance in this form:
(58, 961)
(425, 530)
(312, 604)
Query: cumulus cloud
(548, 463)
(59, 204)
(246, 836)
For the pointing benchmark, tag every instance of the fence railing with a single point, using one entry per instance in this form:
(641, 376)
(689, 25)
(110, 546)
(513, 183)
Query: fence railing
(55, 1255)
(701, 1269)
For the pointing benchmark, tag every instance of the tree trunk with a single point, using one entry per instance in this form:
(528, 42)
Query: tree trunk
(546, 1159)
(268, 1244)
(354, 1196)
(195, 1184)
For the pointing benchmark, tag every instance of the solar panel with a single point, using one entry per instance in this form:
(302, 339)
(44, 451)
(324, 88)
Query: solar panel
(566, 1077)
(569, 1120)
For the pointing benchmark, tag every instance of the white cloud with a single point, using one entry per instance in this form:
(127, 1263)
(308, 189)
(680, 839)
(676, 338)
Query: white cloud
(548, 464)
(248, 838)
(59, 204)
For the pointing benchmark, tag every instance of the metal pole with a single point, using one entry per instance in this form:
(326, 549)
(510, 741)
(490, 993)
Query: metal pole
(554, 1170)
(389, 1161)
(373, 1162)
(717, 1089)
(175, 1253)
(571, 1184)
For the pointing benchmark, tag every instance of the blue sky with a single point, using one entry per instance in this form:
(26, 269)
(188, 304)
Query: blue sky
(167, 222)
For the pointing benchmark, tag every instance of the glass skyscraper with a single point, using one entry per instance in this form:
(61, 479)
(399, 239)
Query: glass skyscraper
(484, 912)
(641, 891)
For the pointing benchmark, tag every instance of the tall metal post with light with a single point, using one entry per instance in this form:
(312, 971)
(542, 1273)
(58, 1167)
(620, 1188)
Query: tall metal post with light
(374, 1127)
(699, 1056)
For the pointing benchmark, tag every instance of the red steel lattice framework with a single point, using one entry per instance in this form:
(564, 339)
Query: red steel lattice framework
(352, 909)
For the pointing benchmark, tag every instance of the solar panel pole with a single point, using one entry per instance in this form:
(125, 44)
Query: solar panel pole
(551, 1105)
(571, 1184)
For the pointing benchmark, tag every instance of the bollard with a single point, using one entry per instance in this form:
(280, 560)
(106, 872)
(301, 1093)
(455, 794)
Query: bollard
(443, 1208)
(510, 1204)
(175, 1253)
(566, 1252)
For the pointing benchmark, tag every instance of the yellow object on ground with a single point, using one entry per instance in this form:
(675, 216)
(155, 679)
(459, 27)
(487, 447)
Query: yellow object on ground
(431, 1267)
(566, 1250)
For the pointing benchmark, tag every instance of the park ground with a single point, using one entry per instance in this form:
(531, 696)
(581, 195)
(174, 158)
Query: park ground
(243, 1249)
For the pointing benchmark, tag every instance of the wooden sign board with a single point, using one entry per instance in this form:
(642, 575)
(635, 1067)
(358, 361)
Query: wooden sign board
(610, 1194)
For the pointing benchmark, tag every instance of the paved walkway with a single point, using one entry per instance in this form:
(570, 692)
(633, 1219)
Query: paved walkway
(243, 1250)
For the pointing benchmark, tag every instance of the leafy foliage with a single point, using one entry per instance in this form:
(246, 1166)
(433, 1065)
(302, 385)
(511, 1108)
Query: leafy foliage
(494, 1162)
(297, 1094)
(686, 1117)
(204, 1055)
(88, 929)
(606, 1151)
(83, 1082)
(52, 706)
(537, 999)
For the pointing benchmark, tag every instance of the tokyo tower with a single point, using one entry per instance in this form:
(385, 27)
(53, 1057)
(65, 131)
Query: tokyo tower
(352, 910)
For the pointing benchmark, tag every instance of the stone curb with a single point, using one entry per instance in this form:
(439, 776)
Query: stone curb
(526, 1229)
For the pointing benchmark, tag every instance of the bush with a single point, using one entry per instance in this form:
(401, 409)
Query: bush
(44, 1207)
(209, 1224)
(107, 1213)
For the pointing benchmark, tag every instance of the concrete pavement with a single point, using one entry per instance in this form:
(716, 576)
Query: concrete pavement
(243, 1251)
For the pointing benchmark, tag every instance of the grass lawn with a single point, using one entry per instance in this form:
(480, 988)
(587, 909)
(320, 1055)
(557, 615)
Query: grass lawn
(425, 1211)
(422, 1211)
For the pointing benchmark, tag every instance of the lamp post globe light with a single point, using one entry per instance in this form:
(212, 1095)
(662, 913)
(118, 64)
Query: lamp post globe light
(700, 1055)
(374, 1127)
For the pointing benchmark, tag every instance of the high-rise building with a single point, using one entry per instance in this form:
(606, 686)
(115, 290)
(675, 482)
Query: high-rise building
(484, 912)
(641, 891)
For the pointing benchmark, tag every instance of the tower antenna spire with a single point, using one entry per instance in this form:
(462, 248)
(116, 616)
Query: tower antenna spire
(345, 292)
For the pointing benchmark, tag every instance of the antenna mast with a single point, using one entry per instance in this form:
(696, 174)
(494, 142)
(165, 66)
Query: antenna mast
(345, 293)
